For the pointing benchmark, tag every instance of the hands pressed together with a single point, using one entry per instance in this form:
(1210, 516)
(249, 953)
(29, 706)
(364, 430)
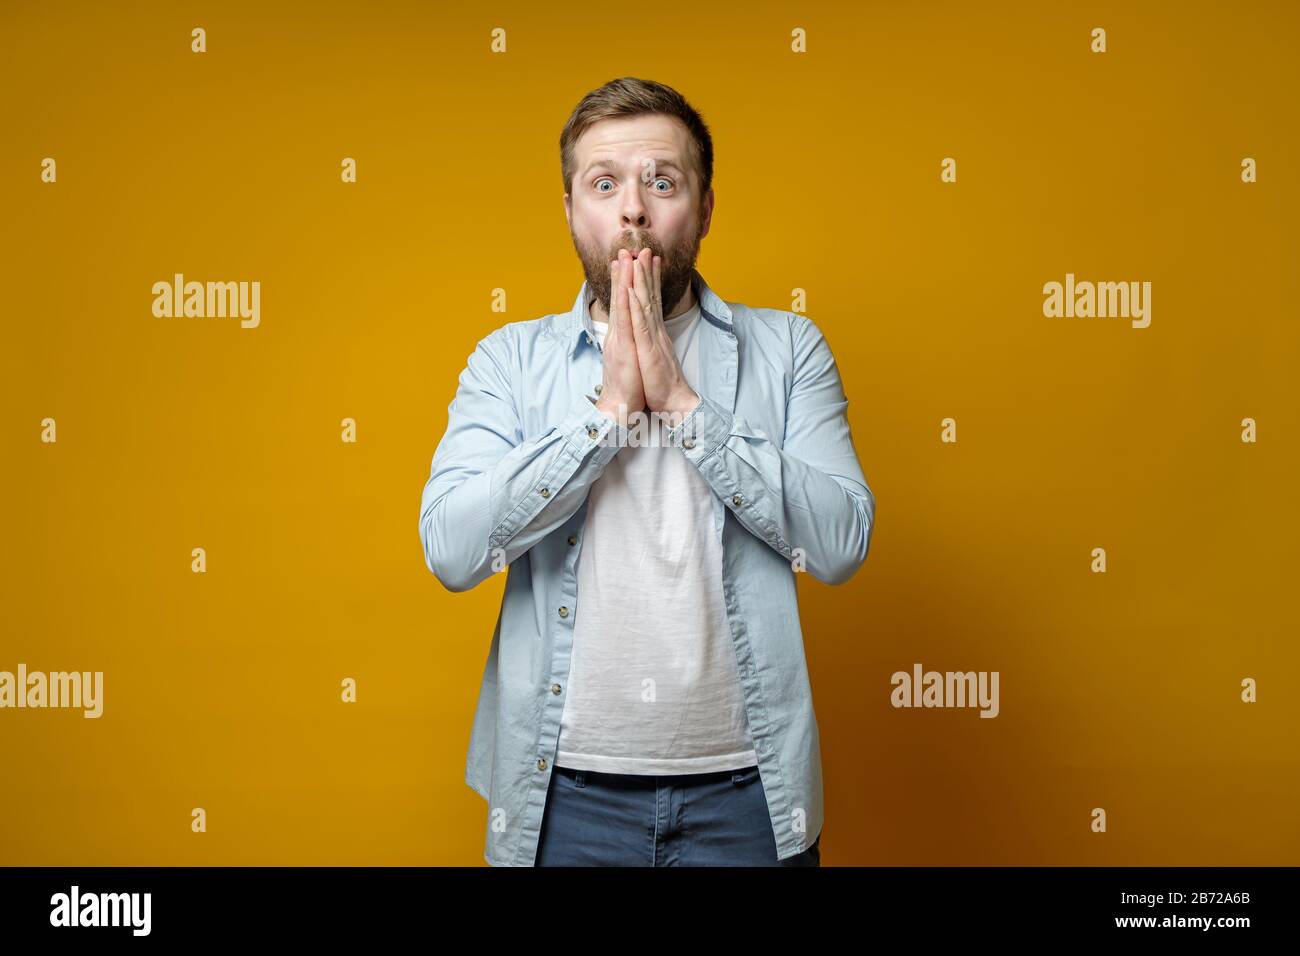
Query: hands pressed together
(640, 364)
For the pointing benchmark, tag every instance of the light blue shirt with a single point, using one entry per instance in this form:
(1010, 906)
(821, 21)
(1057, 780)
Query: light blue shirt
(508, 487)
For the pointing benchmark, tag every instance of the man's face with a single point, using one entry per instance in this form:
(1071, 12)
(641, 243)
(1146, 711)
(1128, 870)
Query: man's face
(634, 187)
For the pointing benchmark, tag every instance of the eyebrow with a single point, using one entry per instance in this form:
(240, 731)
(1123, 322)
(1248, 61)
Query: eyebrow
(608, 164)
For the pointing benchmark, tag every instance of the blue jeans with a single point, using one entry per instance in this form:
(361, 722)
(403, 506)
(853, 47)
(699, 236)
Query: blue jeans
(698, 819)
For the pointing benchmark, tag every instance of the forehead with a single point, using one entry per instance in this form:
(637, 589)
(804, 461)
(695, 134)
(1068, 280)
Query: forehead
(626, 139)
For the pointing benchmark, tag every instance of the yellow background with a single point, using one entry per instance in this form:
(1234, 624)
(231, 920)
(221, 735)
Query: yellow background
(1118, 690)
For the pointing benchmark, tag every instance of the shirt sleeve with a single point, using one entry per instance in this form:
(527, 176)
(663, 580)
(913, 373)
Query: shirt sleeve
(806, 496)
(492, 494)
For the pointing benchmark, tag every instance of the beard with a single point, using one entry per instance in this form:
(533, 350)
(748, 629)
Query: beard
(676, 263)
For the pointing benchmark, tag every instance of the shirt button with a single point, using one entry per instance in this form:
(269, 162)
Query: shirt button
(588, 339)
(541, 763)
(546, 493)
(688, 442)
(599, 389)
(735, 500)
(564, 612)
(592, 433)
(555, 688)
(573, 539)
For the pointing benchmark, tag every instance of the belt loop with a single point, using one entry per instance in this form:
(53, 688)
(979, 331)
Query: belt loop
(737, 776)
(580, 778)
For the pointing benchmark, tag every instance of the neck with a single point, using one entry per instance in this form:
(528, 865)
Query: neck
(685, 304)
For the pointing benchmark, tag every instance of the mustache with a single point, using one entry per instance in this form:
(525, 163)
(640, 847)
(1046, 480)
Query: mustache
(635, 251)
(634, 240)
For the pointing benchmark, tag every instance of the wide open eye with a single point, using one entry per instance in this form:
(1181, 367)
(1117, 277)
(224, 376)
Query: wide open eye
(602, 180)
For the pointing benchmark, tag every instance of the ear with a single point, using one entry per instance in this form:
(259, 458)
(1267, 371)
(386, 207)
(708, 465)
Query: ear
(708, 213)
(568, 210)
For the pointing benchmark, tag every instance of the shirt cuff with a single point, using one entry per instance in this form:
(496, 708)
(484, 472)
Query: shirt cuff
(703, 431)
(586, 428)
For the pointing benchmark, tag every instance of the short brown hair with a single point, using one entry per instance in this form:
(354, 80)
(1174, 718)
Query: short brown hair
(629, 96)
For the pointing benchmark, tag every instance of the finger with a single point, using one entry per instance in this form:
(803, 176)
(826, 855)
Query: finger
(647, 273)
(640, 320)
(625, 293)
(617, 302)
(657, 284)
(613, 290)
(641, 286)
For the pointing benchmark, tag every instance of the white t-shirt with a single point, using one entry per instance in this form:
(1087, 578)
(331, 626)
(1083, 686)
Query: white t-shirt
(653, 682)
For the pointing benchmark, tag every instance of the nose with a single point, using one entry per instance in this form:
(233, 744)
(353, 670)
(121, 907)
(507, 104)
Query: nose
(633, 211)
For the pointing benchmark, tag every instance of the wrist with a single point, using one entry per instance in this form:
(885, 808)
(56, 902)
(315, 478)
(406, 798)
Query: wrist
(614, 409)
(682, 404)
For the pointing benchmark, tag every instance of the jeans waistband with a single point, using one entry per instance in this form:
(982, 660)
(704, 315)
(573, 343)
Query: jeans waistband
(649, 780)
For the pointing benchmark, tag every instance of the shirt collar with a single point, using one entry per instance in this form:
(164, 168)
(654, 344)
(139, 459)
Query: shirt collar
(577, 324)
